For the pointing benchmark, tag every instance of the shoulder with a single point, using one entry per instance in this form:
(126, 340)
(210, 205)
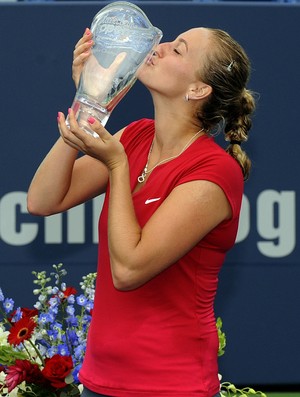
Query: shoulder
(210, 162)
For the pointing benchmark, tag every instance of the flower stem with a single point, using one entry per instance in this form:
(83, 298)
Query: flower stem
(37, 352)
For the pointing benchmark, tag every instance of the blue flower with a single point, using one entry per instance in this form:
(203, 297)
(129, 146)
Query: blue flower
(52, 351)
(81, 300)
(17, 316)
(70, 310)
(72, 321)
(63, 350)
(8, 305)
(75, 373)
(53, 302)
(1, 296)
(79, 351)
(71, 299)
(45, 318)
(55, 290)
(72, 336)
(89, 306)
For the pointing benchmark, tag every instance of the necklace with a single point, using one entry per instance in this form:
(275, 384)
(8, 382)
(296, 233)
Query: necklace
(143, 175)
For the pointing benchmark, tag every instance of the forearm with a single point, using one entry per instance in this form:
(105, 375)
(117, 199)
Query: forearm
(124, 232)
(52, 179)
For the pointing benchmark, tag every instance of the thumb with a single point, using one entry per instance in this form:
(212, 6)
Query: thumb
(117, 62)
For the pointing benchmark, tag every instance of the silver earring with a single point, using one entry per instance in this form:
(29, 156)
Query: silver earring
(186, 98)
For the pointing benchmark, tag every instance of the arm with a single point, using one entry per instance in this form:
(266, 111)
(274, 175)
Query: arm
(134, 261)
(62, 181)
(137, 255)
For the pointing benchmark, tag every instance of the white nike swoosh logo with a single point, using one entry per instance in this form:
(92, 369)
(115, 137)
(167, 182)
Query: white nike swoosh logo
(148, 201)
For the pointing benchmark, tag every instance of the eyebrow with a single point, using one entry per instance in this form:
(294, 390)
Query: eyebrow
(185, 43)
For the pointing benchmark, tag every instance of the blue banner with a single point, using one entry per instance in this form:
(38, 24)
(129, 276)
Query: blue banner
(259, 290)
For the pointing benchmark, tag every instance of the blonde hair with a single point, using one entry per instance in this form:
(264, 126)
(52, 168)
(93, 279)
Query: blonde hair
(230, 105)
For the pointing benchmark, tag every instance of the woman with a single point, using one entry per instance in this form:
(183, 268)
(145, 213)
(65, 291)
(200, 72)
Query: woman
(171, 213)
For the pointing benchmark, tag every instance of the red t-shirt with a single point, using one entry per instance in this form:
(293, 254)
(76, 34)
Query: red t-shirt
(160, 339)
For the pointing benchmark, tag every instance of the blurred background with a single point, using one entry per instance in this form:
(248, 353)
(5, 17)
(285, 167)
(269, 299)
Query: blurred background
(259, 295)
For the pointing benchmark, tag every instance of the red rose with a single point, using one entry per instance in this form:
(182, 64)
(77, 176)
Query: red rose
(56, 369)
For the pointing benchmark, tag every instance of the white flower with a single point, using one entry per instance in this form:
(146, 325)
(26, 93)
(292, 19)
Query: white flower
(3, 336)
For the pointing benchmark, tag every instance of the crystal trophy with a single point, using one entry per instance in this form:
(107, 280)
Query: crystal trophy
(123, 38)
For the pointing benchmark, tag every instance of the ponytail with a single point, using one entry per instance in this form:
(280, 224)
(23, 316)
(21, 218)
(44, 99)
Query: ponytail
(230, 104)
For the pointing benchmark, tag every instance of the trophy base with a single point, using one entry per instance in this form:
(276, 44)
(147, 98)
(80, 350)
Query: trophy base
(85, 108)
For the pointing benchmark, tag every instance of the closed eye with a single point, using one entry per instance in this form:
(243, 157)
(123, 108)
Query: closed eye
(177, 52)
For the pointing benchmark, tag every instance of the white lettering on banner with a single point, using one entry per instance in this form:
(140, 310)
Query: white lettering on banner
(275, 222)
(280, 232)
(11, 232)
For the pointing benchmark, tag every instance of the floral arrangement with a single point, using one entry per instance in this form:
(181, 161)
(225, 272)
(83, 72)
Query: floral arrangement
(42, 349)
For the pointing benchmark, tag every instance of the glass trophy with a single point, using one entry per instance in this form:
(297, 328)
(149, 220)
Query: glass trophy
(123, 38)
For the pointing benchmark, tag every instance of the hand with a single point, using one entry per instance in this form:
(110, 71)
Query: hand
(81, 53)
(97, 80)
(106, 149)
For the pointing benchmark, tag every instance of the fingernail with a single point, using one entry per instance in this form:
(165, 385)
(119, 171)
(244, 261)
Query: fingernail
(58, 116)
(91, 120)
(69, 110)
(87, 31)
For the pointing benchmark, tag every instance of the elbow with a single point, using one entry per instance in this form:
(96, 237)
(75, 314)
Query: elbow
(34, 208)
(123, 284)
(124, 279)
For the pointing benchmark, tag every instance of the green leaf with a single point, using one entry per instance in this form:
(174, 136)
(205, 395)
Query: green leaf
(221, 336)
(8, 355)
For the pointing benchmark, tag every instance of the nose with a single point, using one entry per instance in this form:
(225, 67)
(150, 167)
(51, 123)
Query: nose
(161, 49)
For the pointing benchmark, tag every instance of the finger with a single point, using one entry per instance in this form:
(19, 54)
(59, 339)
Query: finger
(76, 134)
(82, 52)
(98, 128)
(88, 35)
(117, 62)
(69, 134)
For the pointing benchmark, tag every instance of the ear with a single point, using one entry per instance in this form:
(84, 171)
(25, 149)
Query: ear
(199, 91)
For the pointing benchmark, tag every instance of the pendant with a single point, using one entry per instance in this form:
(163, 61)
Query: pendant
(142, 177)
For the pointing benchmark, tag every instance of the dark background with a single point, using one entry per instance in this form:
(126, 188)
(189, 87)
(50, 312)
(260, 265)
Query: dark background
(258, 297)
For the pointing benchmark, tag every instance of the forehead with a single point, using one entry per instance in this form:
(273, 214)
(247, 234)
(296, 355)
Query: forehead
(200, 36)
(198, 41)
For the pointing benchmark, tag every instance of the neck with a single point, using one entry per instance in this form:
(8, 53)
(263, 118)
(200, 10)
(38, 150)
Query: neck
(147, 170)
